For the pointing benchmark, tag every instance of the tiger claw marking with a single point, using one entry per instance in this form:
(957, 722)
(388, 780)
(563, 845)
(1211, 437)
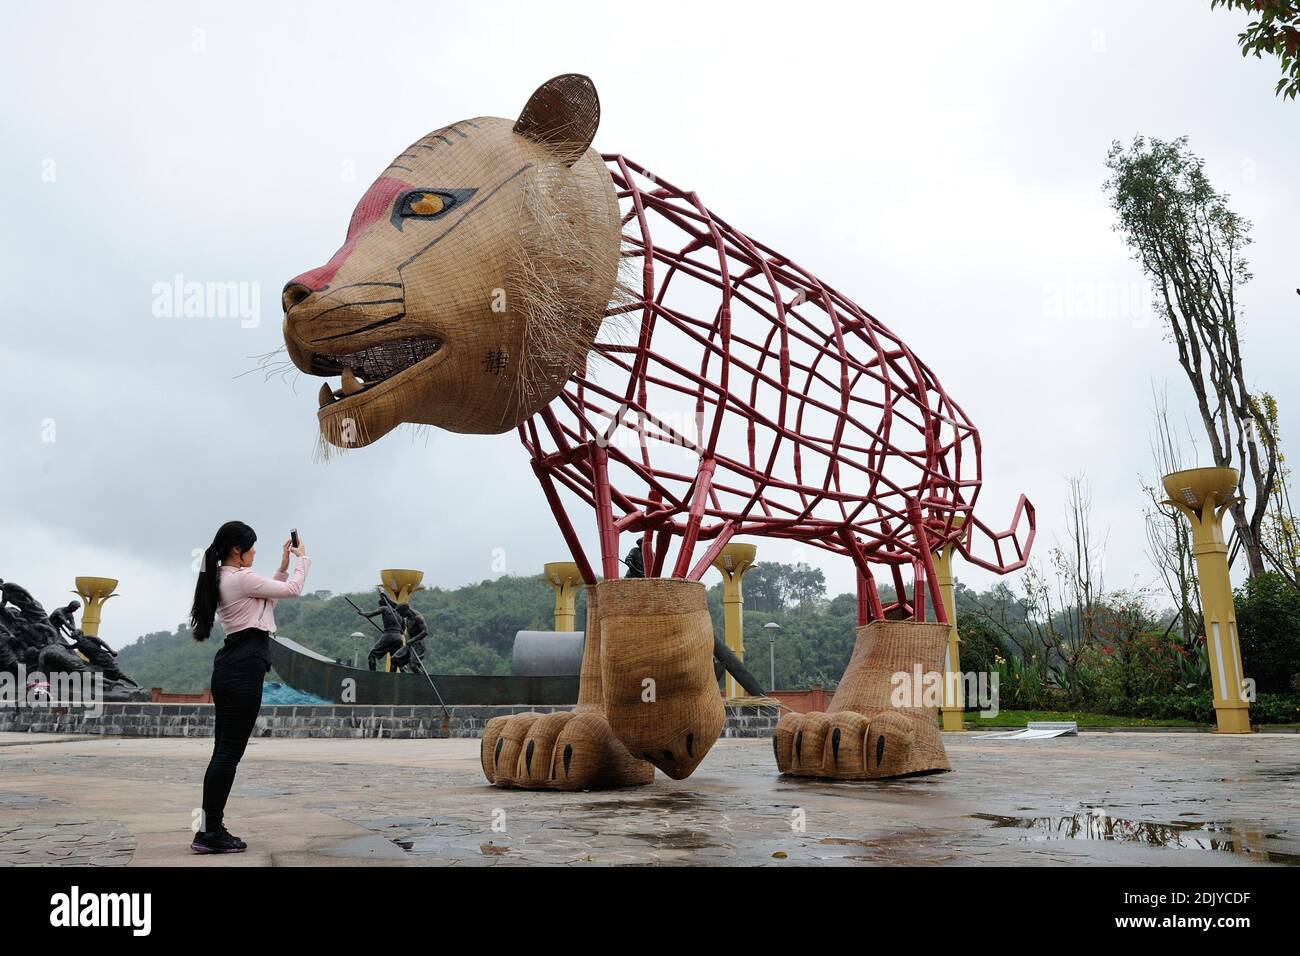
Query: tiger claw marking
(560, 751)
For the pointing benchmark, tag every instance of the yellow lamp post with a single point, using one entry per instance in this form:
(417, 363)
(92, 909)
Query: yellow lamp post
(953, 703)
(733, 562)
(93, 593)
(565, 579)
(399, 584)
(1203, 495)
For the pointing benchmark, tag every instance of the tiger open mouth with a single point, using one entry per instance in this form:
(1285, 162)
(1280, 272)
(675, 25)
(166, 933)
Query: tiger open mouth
(370, 367)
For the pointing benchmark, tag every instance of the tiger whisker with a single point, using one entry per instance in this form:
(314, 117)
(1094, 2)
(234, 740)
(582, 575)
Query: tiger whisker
(272, 369)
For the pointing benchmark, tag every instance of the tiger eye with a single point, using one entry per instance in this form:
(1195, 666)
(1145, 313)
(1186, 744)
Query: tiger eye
(430, 204)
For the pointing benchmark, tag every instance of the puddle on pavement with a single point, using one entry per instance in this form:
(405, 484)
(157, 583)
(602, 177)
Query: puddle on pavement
(26, 800)
(677, 840)
(678, 800)
(1180, 835)
(921, 784)
(369, 846)
(1266, 774)
(1284, 772)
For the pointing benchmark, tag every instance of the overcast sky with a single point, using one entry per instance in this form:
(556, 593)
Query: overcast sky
(941, 164)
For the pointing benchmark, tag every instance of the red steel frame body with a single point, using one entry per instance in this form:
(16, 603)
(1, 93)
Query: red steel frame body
(745, 397)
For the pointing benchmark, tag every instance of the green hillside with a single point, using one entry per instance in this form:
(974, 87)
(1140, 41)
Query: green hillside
(472, 629)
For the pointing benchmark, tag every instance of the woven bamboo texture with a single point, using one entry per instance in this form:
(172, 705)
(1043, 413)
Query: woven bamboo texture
(646, 697)
(502, 274)
(494, 247)
(657, 670)
(864, 734)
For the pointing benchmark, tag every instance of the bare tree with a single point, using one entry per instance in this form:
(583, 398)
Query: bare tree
(1169, 536)
(1079, 566)
(1025, 620)
(1190, 244)
(1281, 537)
(1054, 619)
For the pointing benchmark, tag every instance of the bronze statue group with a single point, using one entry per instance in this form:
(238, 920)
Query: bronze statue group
(35, 642)
(404, 653)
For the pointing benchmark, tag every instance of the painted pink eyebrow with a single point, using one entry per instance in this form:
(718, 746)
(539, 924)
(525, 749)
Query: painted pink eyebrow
(372, 206)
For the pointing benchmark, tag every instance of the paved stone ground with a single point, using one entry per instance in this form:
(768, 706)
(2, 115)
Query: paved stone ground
(1128, 798)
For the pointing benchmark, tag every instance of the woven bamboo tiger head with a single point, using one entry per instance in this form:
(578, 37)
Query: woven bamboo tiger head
(473, 280)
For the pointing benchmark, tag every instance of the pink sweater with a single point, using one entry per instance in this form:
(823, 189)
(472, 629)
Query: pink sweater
(248, 599)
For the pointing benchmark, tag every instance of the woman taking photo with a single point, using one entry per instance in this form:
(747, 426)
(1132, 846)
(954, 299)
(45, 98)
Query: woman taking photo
(228, 589)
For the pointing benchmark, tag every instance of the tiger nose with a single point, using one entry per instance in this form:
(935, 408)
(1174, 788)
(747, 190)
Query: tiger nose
(293, 293)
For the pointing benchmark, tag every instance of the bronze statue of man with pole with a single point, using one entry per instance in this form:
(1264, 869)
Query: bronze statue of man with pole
(390, 641)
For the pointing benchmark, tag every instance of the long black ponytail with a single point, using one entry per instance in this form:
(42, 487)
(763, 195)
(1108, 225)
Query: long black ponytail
(232, 534)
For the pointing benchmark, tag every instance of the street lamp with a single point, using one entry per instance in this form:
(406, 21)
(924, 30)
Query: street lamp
(358, 635)
(771, 627)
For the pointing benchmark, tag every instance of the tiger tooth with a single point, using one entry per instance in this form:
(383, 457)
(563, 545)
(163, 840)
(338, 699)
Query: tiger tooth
(350, 384)
(326, 394)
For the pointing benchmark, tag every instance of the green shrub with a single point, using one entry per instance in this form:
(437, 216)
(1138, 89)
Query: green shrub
(1268, 626)
(1199, 707)
(978, 644)
(1020, 684)
(1276, 709)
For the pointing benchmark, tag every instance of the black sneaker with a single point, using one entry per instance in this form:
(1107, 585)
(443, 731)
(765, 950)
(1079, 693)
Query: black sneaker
(217, 841)
(242, 844)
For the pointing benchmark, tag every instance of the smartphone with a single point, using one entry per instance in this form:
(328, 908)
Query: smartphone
(293, 537)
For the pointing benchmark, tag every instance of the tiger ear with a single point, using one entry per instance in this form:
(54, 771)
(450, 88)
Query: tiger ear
(563, 114)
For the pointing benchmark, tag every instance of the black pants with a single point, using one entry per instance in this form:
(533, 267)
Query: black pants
(389, 643)
(237, 695)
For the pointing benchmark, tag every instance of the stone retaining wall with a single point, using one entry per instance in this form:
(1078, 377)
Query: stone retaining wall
(326, 720)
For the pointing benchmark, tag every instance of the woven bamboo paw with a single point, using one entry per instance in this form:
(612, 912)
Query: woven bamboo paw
(574, 750)
(647, 691)
(661, 697)
(852, 746)
(866, 734)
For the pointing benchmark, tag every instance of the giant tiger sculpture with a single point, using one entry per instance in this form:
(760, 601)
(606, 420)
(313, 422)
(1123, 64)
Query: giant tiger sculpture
(684, 381)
